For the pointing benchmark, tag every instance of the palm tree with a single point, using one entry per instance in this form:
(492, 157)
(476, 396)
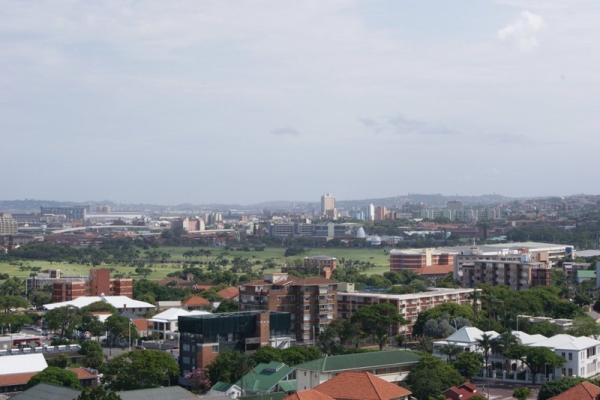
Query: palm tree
(503, 344)
(485, 343)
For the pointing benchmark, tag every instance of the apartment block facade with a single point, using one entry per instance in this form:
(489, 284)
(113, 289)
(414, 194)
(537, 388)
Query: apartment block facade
(8, 225)
(311, 302)
(518, 272)
(422, 261)
(99, 283)
(409, 305)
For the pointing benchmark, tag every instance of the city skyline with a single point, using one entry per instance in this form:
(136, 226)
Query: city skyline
(204, 102)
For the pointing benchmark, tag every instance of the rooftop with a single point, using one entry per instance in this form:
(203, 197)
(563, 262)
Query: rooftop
(22, 363)
(172, 314)
(359, 361)
(161, 393)
(582, 391)
(432, 292)
(264, 377)
(118, 302)
(44, 391)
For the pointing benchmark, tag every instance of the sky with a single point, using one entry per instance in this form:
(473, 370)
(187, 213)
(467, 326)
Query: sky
(206, 101)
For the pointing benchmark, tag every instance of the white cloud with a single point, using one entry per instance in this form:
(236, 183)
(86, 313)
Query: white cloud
(523, 30)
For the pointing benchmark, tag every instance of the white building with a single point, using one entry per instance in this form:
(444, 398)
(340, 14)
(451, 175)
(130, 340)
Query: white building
(125, 305)
(165, 323)
(581, 354)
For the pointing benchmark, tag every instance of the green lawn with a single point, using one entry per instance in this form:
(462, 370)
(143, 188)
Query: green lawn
(159, 271)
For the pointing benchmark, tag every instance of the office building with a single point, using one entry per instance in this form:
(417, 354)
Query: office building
(371, 212)
(328, 206)
(76, 213)
(99, 283)
(409, 305)
(8, 225)
(380, 213)
(518, 272)
(422, 261)
(190, 224)
(202, 337)
(310, 301)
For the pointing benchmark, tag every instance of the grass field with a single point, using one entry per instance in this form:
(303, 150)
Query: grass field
(375, 256)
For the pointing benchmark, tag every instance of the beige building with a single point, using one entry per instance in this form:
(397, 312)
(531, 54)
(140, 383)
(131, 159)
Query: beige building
(518, 272)
(8, 225)
(328, 206)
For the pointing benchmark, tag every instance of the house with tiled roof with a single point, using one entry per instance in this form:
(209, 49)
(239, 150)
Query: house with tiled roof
(229, 293)
(196, 303)
(391, 366)
(462, 392)
(264, 378)
(582, 391)
(353, 386)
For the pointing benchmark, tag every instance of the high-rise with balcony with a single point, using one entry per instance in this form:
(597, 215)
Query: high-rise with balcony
(8, 225)
(311, 302)
(328, 206)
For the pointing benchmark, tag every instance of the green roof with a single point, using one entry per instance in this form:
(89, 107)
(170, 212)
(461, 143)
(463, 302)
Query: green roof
(289, 385)
(44, 391)
(221, 386)
(375, 359)
(586, 274)
(264, 377)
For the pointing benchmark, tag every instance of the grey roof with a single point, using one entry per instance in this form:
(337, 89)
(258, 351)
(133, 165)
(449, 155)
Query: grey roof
(161, 393)
(44, 391)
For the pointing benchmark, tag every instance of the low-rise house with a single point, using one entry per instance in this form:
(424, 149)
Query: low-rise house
(264, 378)
(353, 386)
(466, 338)
(229, 293)
(44, 391)
(582, 391)
(196, 303)
(461, 392)
(391, 366)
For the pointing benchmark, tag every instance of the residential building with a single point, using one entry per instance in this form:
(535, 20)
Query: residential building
(202, 337)
(196, 303)
(328, 206)
(191, 224)
(461, 392)
(229, 293)
(409, 305)
(353, 386)
(311, 302)
(165, 324)
(8, 225)
(381, 213)
(391, 366)
(265, 378)
(519, 272)
(44, 391)
(48, 278)
(371, 212)
(422, 261)
(581, 354)
(99, 283)
(125, 305)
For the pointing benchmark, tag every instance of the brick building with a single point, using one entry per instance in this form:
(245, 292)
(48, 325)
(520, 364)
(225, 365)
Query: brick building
(99, 283)
(422, 261)
(310, 301)
(409, 305)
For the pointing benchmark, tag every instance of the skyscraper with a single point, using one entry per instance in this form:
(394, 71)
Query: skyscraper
(328, 205)
(371, 212)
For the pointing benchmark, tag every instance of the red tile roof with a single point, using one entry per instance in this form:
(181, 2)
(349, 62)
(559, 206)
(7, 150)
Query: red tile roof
(462, 392)
(361, 386)
(83, 373)
(141, 324)
(196, 301)
(582, 391)
(310, 394)
(229, 293)
(16, 379)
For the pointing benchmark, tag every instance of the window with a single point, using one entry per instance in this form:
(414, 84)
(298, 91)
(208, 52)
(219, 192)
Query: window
(570, 356)
(570, 371)
(215, 348)
(564, 372)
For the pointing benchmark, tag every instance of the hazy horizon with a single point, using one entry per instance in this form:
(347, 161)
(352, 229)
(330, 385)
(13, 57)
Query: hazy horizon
(216, 102)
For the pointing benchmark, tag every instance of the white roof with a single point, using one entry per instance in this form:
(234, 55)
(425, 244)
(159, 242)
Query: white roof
(527, 339)
(118, 302)
(567, 342)
(22, 363)
(469, 334)
(173, 313)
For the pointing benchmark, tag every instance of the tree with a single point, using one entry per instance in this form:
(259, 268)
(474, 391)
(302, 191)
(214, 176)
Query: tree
(198, 380)
(468, 364)
(378, 320)
(556, 387)
(56, 376)
(119, 328)
(450, 351)
(431, 376)
(92, 352)
(97, 393)
(63, 320)
(485, 343)
(140, 369)
(229, 366)
(537, 359)
(521, 393)
(584, 326)
(227, 306)
(449, 311)
(7, 303)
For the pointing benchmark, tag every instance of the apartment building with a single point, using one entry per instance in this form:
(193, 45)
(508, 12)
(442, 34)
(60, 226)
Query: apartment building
(99, 283)
(310, 301)
(409, 305)
(518, 272)
(422, 261)
(8, 225)
(76, 213)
